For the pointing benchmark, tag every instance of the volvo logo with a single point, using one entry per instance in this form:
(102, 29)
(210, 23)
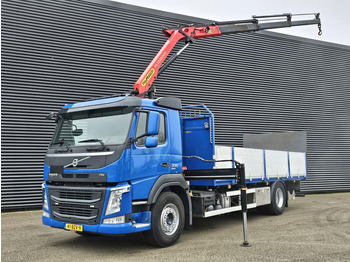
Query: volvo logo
(76, 161)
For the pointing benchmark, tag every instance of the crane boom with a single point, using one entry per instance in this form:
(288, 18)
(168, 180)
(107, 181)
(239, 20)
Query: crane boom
(191, 32)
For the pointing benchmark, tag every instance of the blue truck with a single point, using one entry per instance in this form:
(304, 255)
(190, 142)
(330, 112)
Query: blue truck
(126, 164)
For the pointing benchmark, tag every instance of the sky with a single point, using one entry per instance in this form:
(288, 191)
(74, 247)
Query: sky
(334, 13)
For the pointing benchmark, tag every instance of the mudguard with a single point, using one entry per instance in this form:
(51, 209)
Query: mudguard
(170, 180)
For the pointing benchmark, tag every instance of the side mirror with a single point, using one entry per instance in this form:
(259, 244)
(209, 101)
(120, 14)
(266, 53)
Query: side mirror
(153, 123)
(51, 115)
(151, 141)
(77, 132)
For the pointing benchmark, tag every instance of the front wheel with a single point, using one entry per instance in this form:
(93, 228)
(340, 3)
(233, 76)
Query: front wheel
(167, 220)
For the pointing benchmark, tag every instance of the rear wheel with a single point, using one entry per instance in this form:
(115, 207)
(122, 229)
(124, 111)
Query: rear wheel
(278, 199)
(167, 219)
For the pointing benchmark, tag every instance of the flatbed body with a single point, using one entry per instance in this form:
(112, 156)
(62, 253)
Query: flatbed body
(261, 165)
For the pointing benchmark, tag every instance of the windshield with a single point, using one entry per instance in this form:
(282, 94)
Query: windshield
(109, 126)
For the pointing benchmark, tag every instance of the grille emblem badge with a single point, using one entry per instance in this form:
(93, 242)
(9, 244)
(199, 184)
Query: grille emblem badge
(76, 161)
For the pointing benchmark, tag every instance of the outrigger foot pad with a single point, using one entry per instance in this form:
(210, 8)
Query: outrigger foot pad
(245, 244)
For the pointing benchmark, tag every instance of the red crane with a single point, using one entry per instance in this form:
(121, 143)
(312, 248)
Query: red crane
(191, 32)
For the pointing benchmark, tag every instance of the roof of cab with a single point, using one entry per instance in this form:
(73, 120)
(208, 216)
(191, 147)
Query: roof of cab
(121, 101)
(102, 103)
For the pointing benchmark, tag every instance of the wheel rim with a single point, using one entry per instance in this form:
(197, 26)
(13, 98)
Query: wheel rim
(169, 219)
(279, 197)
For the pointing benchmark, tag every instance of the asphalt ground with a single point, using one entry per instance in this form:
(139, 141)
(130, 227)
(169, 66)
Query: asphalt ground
(312, 228)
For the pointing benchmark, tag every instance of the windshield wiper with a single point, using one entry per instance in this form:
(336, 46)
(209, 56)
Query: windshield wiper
(61, 143)
(94, 140)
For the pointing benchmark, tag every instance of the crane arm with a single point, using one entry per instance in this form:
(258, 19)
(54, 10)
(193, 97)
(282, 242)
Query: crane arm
(191, 32)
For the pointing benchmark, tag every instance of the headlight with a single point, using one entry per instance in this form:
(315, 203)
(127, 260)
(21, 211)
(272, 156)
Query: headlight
(45, 203)
(115, 199)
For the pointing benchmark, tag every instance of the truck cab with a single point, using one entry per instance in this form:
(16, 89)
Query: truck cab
(109, 161)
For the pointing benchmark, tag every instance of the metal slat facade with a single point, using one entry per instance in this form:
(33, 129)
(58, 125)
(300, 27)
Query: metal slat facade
(64, 51)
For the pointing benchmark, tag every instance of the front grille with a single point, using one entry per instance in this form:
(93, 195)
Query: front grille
(75, 211)
(76, 195)
(76, 204)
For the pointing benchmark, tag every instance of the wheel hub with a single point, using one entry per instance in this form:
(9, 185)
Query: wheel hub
(169, 219)
(279, 197)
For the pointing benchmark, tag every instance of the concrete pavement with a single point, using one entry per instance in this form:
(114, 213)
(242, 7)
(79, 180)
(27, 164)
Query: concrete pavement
(313, 228)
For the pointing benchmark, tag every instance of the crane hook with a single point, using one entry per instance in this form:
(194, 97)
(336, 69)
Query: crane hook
(319, 29)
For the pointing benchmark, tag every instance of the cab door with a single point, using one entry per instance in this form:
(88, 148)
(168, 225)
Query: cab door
(148, 163)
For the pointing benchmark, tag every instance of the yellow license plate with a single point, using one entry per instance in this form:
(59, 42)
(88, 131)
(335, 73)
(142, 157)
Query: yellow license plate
(74, 227)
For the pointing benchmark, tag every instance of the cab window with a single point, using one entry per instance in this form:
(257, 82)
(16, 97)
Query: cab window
(162, 132)
(142, 127)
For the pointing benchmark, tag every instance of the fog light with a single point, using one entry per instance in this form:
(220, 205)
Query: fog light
(114, 220)
(45, 214)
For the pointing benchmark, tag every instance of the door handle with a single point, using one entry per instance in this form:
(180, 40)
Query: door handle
(165, 164)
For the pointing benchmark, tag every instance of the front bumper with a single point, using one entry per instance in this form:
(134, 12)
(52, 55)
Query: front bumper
(84, 205)
(109, 229)
(77, 205)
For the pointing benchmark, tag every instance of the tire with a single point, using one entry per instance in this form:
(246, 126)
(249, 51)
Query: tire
(278, 199)
(167, 220)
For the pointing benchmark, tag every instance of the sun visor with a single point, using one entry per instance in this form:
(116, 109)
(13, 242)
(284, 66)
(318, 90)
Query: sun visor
(103, 103)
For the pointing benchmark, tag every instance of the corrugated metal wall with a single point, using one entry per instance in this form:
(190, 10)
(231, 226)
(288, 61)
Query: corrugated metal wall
(58, 52)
